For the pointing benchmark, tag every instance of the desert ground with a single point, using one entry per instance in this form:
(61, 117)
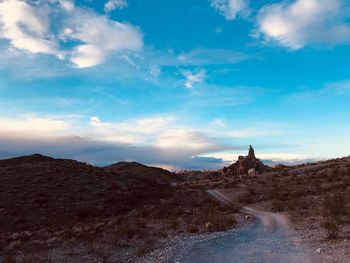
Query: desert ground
(55, 210)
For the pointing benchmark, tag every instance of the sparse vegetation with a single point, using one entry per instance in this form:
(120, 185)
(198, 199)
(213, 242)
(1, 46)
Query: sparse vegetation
(334, 209)
(58, 201)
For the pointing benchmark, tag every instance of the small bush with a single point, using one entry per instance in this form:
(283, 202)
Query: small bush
(37, 258)
(129, 229)
(191, 228)
(10, 259)
(334, 208)
(246, 198)
(149, 244)
(277, 206)
(333, 228)
(99, 249)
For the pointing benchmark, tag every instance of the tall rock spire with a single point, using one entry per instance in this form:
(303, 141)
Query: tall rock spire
(245, 163)
(251, 154)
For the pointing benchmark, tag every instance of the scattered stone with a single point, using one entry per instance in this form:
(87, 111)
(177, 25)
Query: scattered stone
(208, 225)
(319, 250)
(15, 236)
(249, 217)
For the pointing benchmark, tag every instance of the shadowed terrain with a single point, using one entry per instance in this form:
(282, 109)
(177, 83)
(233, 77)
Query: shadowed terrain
(66, 211)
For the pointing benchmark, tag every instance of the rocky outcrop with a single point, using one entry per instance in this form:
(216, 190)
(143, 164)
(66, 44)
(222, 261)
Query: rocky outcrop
(246, 164)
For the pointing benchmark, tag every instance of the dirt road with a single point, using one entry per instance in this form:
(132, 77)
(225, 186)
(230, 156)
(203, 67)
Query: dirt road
(269, 239)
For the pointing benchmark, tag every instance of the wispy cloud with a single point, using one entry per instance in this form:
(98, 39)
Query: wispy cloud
(115, 4)
(203, 57)
(194, 77)
(230, 9)
(330, 90)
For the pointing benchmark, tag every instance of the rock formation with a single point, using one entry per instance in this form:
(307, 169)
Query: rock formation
(245, 164)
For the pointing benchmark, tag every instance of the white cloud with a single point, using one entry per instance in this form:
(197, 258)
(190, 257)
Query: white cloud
(254, 132)
(140, 131)
(220, 123)
(115, 4)
(230, 9)
(84, 37)
(101, 37)
(25, 27)
(67, 5)
(184, 139)
(33, 125)
(303, 22)
(155, 70)
(194, 77)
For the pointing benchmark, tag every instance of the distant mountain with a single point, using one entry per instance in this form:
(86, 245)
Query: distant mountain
(39, 190)
(137, 170)
(34, 158)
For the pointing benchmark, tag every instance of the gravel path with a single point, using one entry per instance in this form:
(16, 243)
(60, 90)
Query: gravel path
(269, 239)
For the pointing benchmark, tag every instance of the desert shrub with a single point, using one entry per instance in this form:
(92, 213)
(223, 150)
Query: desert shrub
(147, 245)
(99, 249)
(173, 223)
(334, 208)
(292, 204)
(131, 228)
(37, 258)
(10, 259)
(161, 212)
(215, 219)
(191, 228)
(234, 207)
(221, 222)
(246, 198)
(252, 189)
(85, 213)
(277, 206)
(347, 181)
(333, 227)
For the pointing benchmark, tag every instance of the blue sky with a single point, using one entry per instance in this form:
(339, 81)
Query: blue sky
(178, 84)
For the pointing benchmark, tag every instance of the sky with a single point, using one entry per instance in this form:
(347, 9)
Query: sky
(177, 84)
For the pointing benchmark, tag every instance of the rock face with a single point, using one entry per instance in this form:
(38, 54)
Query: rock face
(246, 165)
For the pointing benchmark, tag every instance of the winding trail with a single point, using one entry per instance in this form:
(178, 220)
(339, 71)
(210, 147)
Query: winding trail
(270, 239)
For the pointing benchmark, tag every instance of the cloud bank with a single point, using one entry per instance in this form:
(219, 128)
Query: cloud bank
(160, 141)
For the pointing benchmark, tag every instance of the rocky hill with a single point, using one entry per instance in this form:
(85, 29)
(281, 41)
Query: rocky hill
(48, 203)
(246, 164)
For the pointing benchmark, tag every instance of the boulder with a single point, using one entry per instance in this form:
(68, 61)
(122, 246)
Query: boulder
(251, 172)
